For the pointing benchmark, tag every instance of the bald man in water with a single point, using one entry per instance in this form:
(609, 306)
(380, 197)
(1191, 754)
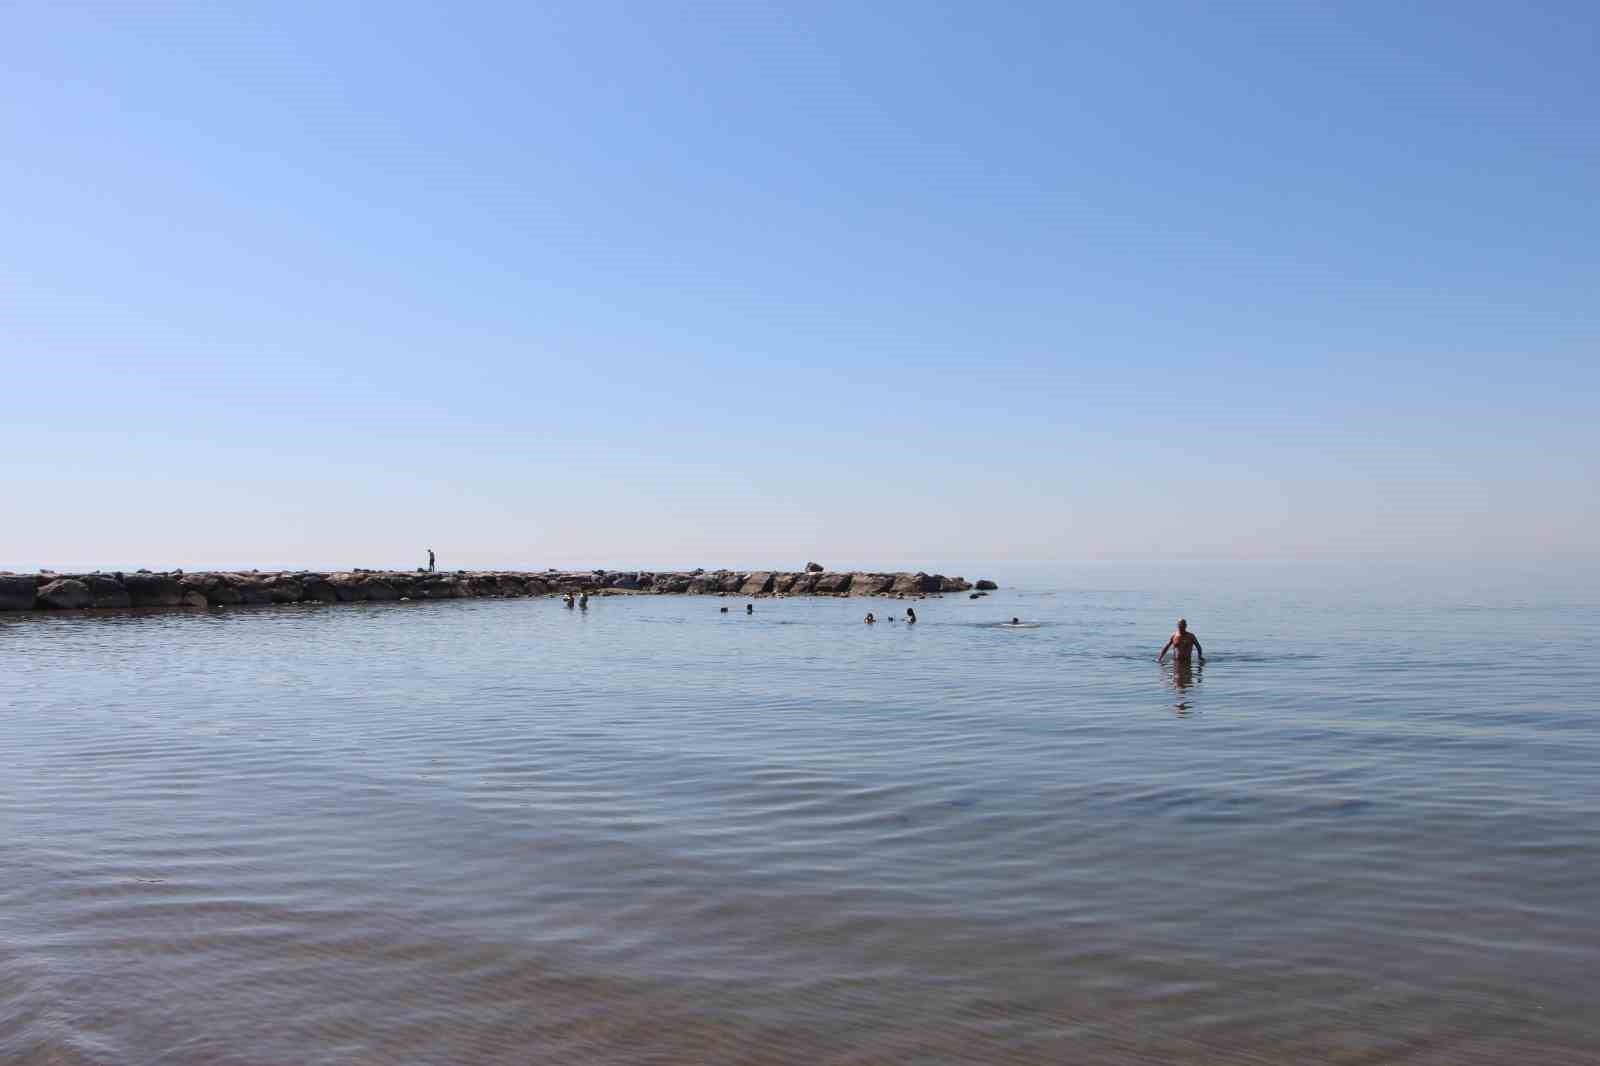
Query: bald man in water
(1180, 644)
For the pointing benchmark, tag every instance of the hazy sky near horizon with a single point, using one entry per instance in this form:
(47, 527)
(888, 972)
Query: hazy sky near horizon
(667, 284)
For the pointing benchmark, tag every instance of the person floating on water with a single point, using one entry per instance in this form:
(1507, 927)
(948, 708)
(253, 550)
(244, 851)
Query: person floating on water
(869, 619)
(911, 615)
(430, 560)
(1181, 644)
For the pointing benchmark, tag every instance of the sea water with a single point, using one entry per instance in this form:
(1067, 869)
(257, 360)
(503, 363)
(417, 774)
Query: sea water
(1366, 830)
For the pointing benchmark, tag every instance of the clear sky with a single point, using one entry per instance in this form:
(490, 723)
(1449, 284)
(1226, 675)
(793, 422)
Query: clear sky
(660, 284)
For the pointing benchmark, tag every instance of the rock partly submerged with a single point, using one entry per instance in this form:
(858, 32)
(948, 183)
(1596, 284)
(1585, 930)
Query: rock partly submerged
(72, 592)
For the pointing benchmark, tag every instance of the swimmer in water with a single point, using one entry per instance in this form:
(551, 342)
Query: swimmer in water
(911, 615)
(1181, 644)
(749, 608)
(869, 619)
(583, 601)
(567, 599)
(1016, 621)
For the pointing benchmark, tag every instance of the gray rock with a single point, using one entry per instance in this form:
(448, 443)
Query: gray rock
(107, 591)
(66, 594)
(673, 583)
(18, 592)
(193, 597)
(870, 584)
(349, 588)
(954, 584)
(804, 584)
(252, 591)
(985, 585)
(756, 584)
(832, 584)
(153, 590)
(782, 583)
(379, 590)
(813, 568)
(286, 590)
(913, 584)
(317, 589)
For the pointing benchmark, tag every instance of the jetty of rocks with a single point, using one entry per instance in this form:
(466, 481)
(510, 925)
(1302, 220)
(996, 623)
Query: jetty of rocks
(177, 588)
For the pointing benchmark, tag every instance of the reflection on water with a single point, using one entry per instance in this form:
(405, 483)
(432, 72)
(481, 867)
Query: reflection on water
(1181, 676)
(503, 832)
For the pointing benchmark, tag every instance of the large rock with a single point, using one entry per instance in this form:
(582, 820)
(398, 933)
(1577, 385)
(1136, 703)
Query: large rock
(286, 590)
(18, 592)
(804, 584)
(216, 588)
(437, 588)
(833, 584)
(318, 589)
(985, 585)
(379, 590)
(914, 584)
(732, 582)
(954, 584)
(622, 581)
(813, 568)
(152, 590)
(252, 590)
(349, 588)
(702, 583)
(782, 583)
(673, 583)
(537, 587)
(510, 586)
(107, 591)
(756, 584)
(870, 584)
(193, 597)
(66, 594)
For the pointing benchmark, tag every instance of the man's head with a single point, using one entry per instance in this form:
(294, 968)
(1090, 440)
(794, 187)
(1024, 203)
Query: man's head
(1183, 625)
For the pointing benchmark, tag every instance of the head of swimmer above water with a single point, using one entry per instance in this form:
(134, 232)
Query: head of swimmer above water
(1016, 621)
(1183, 625)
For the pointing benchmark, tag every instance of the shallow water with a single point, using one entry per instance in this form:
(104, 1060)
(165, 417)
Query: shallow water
(1368, 830)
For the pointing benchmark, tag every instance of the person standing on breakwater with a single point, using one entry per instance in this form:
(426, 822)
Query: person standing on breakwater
(1181, 644)
(430, 560)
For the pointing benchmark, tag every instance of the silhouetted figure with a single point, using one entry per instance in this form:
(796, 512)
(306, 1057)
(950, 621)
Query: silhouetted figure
(911, 614)
(869, 620)
(430, 560)
(722, 610)
(583, 601)
(568, 601)
(1016, 621)
(1181, 644)
(749, 608)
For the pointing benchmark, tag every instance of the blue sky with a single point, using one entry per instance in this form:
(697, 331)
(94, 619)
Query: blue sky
(666, 284)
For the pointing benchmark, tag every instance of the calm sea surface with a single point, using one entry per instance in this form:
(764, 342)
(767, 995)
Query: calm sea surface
(1367, 831)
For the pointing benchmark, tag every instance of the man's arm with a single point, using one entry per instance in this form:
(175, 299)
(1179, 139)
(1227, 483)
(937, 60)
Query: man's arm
(1164, 647)
(1199, 650)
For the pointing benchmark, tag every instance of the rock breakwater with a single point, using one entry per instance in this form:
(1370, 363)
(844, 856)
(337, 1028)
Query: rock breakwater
(177, 588)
